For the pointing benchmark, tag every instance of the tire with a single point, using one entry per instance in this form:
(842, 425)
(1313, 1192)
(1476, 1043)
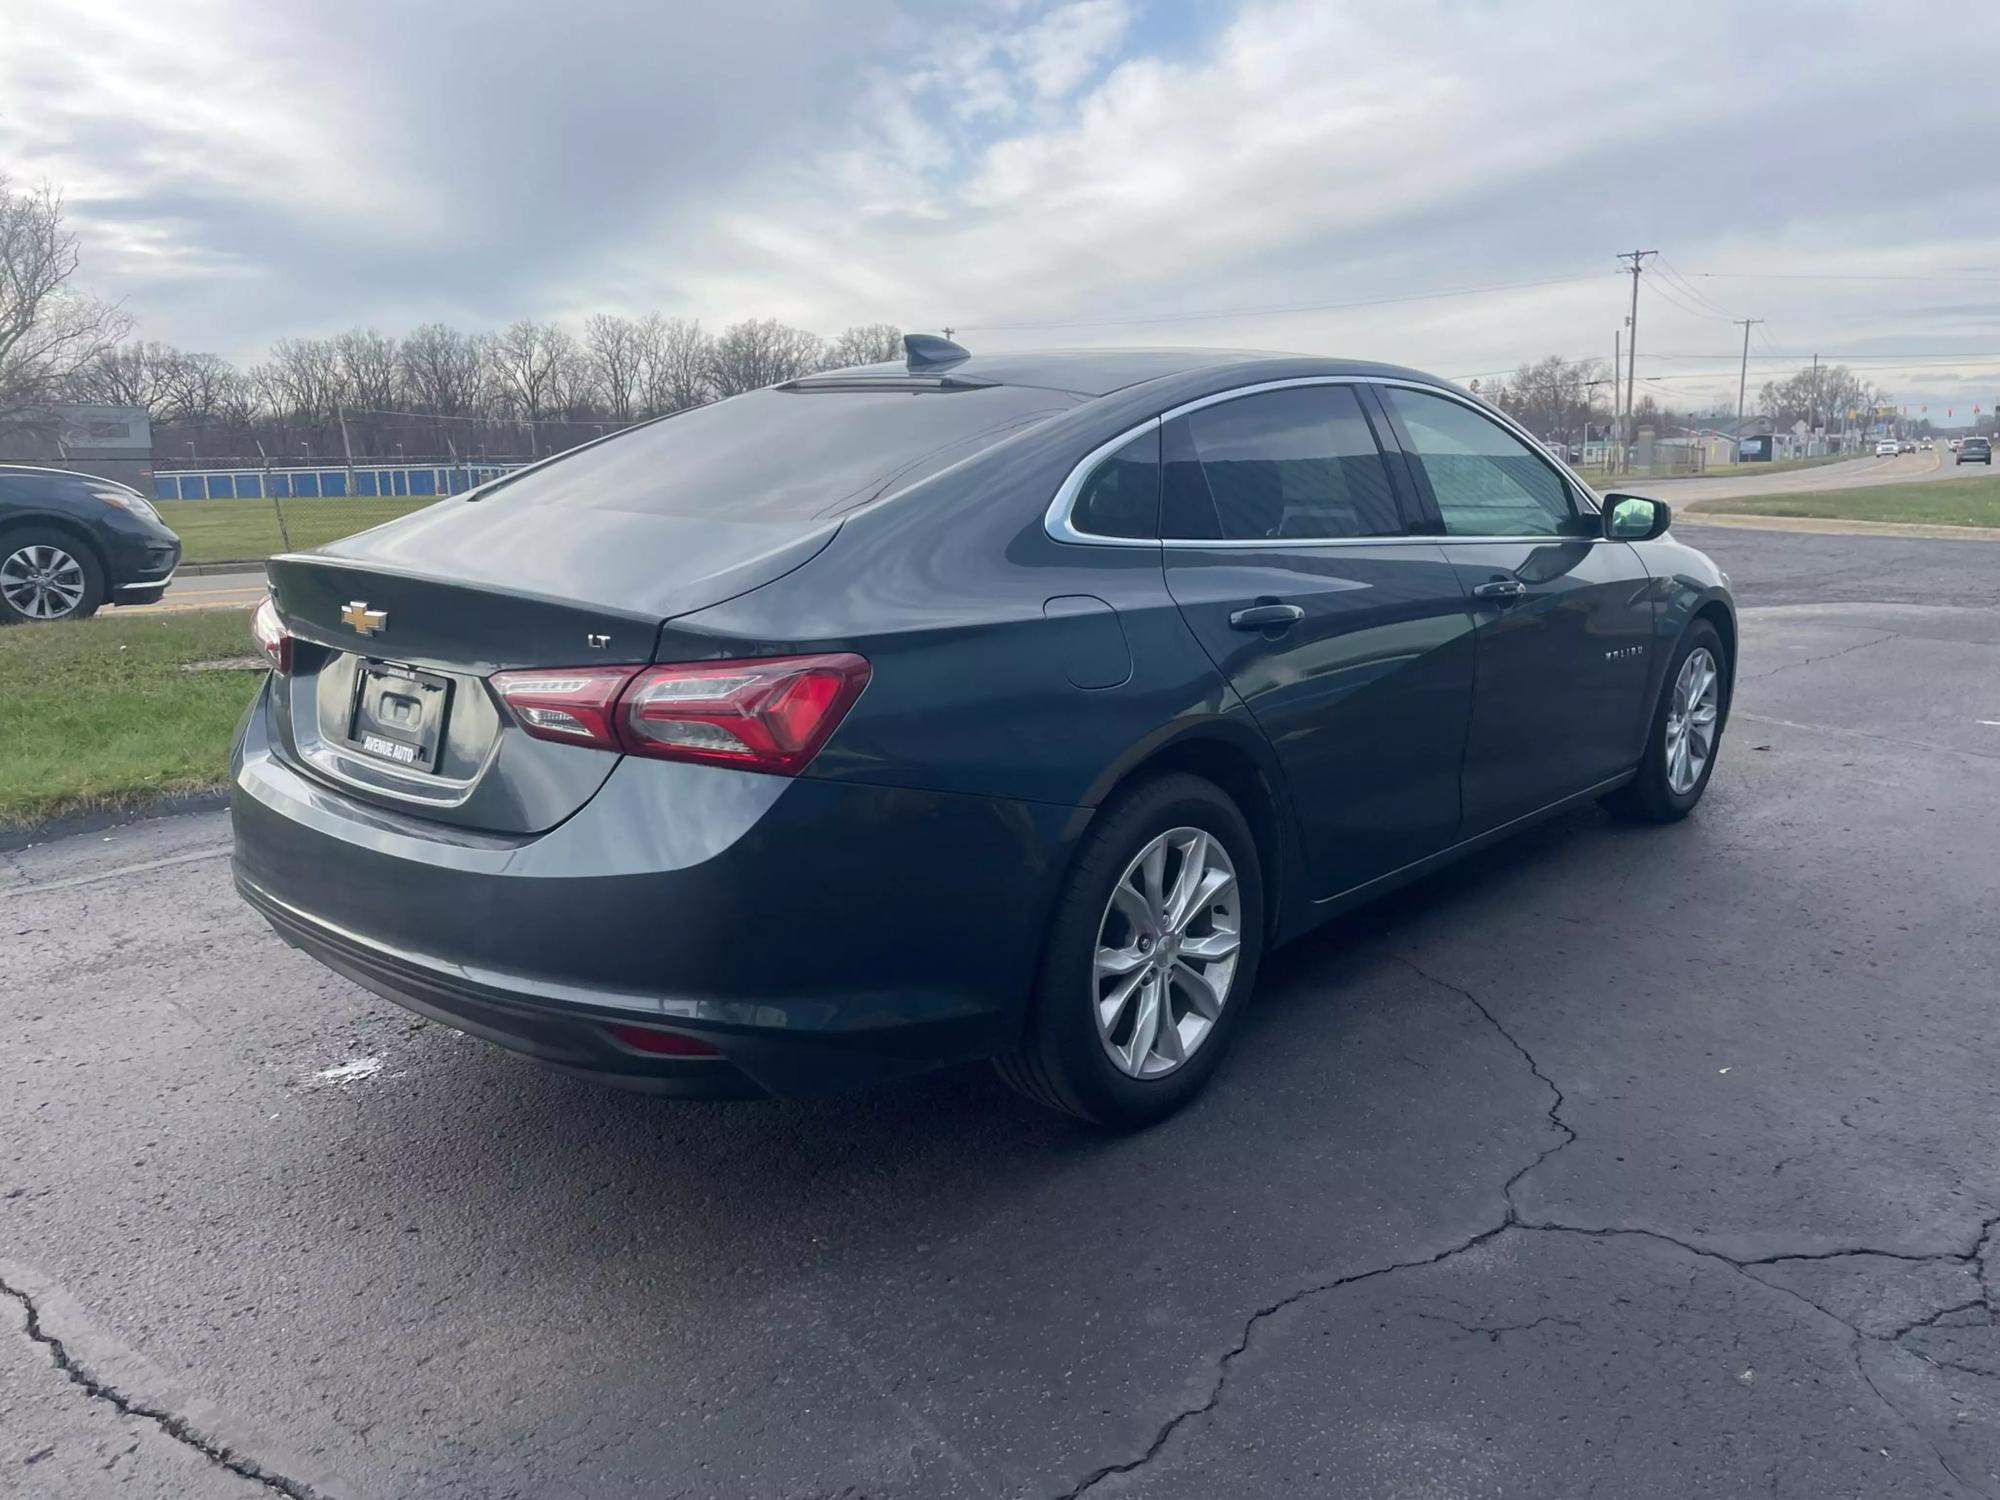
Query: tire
(1652, 797)
(1065, 1059)
(48, 575)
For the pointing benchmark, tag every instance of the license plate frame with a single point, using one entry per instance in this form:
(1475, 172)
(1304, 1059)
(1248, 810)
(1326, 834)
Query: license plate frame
(399, 715)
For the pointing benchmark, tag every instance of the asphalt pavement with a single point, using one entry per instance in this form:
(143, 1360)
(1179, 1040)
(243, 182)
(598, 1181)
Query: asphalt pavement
(1618, 1162)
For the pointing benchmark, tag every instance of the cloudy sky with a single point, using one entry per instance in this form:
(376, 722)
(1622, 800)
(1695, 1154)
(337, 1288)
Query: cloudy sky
(1290, 174)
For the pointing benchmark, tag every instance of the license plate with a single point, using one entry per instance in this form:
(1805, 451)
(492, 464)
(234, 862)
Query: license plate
(399, 714)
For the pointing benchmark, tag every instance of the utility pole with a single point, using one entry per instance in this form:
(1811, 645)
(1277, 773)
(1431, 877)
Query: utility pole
(1614, 457)
(1638, 259)
(1742, 380)
(1812, 415)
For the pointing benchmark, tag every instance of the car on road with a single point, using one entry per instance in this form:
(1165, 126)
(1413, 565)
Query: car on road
(1886, 448)
(1906, 446)
(1925, 445)
(71, 543)
(1975, 450)
(1005, 706)
(1952, 444)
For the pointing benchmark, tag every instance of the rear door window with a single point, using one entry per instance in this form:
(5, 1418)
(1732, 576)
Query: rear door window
(1292, 465)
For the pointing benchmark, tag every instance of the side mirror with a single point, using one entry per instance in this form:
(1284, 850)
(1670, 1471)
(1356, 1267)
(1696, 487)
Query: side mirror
(1634, 518)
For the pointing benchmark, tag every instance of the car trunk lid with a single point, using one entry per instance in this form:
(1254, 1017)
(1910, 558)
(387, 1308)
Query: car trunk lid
(388, 695)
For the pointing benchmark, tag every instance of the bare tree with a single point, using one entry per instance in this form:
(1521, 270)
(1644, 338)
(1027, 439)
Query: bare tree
(444, 371)
(866, 344)
(369, 368)
(616, 349)
(199, 389)
(1551, 397)
(48, 332)
(760, 352)
(676, 361)
(301, 383)
(525, 360)
(134, 374)
(572, 377)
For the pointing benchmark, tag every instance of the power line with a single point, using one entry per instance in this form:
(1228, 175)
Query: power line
(1660, 290)
(1673, 274)
(1258, 312)
(1835, 276)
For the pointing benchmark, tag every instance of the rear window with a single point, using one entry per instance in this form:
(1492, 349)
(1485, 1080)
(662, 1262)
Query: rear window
(776, 455)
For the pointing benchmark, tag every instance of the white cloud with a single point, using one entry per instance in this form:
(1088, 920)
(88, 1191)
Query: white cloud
(245, 171)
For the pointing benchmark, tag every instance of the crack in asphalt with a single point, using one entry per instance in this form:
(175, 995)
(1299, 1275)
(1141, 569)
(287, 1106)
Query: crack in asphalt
(1887, 635)
(1512, 1221)
(172, 1424)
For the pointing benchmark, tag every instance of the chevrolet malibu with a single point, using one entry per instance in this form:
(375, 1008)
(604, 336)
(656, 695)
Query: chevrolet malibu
(1007, 706)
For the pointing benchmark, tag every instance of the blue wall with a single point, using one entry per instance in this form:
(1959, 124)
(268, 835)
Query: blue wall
(418, 481)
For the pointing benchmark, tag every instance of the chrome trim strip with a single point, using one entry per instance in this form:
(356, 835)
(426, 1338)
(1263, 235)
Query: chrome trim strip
(1057, 523)
(154, 583)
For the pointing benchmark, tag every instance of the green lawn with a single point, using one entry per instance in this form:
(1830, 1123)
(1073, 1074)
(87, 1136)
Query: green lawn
(97, 713)
(1940, 502)
(247, 530)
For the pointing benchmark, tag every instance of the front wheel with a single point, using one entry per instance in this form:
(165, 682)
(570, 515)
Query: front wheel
(1686, 732)
(46, 575)
(1150, 958)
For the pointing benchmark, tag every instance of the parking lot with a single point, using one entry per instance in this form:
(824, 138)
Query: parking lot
(1625, 1162)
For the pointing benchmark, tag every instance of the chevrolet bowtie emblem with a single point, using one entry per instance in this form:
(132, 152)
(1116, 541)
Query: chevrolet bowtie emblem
(362, 618)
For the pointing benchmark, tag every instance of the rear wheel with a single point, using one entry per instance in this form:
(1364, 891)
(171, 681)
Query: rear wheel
(1150, 958)
(48, 575)
(1686, 733)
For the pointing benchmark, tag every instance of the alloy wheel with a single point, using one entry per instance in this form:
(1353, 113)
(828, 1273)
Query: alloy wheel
(1691, 721)
(1167, 948)
(42, 582)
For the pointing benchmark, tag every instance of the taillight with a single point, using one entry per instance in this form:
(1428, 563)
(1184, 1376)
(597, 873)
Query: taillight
(765, 714)
(268, 631)
(768, 713)
(573, 705)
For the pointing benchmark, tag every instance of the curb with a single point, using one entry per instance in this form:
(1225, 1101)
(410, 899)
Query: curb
(1921, 531)
(96, 819)
(203, 569)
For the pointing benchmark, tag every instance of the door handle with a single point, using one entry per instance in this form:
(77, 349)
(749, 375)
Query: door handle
(1266, 617)
(1502, 589)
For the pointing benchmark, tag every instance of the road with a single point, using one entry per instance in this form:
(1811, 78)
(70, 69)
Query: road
(239, 590)
(1621, 1162)
(1850, 474)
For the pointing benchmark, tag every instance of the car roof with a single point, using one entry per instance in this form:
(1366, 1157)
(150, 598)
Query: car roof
(1099, 372)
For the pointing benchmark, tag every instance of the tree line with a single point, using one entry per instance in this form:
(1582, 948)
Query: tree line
(439, 391)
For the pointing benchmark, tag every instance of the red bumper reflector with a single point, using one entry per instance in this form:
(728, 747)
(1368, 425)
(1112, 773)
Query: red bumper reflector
(661, 1043)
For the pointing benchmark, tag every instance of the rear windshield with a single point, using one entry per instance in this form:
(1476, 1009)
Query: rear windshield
(775, 455)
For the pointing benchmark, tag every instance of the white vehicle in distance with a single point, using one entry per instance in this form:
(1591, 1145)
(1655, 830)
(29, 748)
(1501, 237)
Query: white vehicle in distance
(1886, 448)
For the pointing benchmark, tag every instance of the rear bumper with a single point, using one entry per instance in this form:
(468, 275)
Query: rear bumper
(821, 935)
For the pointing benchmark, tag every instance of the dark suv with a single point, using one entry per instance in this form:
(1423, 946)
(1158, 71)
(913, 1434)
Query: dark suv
(70, 543)
(1976, 450)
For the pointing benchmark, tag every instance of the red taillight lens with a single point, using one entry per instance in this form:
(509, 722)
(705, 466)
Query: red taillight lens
(268, 631)
(769, 713)
(570, 704)
(661, 1043)
(765, 714)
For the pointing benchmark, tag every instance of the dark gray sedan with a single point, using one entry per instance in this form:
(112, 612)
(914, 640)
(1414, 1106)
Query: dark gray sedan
(1006, 706)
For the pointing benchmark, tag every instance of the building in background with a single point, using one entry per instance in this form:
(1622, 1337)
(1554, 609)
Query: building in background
(113, 442)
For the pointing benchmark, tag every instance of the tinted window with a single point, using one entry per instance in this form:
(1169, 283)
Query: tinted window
(1295, 465)
(1487, 482)
(774, 454)
(1122, 495)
